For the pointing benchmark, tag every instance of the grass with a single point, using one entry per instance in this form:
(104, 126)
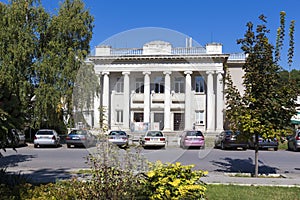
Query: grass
(283, 146)
(232, 192)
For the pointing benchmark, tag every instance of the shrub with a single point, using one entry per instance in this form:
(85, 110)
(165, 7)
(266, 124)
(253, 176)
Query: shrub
(116, 172)
(174, 181)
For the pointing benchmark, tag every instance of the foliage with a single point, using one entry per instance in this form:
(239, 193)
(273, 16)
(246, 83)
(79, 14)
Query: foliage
(64, 45)
(40, 55)
(85, 89)
(116, 174)
(174, 181)
(268, 103)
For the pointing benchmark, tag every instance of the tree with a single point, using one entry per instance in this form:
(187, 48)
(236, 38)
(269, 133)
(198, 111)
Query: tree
(20, 21)
(40, 56)
(64, 45)
(268, 103)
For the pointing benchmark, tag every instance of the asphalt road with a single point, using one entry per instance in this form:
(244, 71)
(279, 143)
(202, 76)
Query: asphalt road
(53, 163)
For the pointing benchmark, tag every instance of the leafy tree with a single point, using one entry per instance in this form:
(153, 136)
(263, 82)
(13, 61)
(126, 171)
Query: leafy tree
(85, 89)
(20, 21)
(268, 103)
(63, 48)
(40, 56)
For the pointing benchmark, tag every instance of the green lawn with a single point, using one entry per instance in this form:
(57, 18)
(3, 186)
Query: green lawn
(232, 192)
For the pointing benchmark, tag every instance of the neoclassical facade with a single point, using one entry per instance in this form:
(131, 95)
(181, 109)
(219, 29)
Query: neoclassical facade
(162, 87)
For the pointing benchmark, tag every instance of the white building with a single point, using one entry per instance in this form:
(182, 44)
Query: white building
(161, 87)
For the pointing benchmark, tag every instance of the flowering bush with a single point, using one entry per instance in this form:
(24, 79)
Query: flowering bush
(174, 181)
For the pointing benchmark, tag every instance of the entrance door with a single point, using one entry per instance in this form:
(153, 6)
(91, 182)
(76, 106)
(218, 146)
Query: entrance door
(178, 121)
(159, 117)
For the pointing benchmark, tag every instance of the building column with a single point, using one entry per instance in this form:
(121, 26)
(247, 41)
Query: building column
(188, 101)
(146, 96)
(105, 97)
(167, 104)
(126, 111)
(220, 102)
(210, 111)
(97, 104)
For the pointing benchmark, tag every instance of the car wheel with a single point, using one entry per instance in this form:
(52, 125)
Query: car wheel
(202, 147)
(289, 148)
(244, 148)
(68, 145)
(35, 146)
(294, 148)
(276, 148)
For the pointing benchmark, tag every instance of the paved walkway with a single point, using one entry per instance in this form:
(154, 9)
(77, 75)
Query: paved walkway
(285, 180)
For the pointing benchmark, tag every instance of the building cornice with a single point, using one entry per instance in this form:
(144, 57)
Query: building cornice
(220, 58)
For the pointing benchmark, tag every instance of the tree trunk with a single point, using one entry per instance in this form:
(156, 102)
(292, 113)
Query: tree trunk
(256, 155)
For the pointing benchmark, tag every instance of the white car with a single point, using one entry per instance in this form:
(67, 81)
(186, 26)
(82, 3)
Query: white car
(46, 137)
(153, 139)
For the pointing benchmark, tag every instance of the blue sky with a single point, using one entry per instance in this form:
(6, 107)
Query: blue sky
(220, 21)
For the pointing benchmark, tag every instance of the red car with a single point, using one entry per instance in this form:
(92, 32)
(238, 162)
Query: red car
(192, 139)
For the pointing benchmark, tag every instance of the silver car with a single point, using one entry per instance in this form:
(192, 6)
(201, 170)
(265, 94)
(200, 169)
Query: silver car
(119, 138)
(294, 141)
(45, 137)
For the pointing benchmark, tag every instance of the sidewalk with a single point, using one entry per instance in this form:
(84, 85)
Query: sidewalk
(286, 180)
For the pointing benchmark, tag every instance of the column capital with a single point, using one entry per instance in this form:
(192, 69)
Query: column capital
(105, 73)
(188, 72)
(147, 72)
(220, 72)
(210, 72)
(125, 73)
(167, 72)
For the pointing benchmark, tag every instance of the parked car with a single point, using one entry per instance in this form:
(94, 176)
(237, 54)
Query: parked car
(229, 139)
(192, 138)
(153, 139)
(16, 138)
(264, 143)
(45, 137)
(80, 137)
(294, 141)
(119, 138)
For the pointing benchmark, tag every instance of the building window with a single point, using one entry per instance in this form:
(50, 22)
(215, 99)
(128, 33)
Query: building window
(119, 116)
(158, 85)
(199, 84)
(139, 85)
(199, 117)
(119, 85)
(179, 85)
(138, 117)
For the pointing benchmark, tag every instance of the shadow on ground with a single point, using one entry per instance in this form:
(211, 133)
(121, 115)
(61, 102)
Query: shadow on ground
(14, 160)
(47, 175)
(242, 166)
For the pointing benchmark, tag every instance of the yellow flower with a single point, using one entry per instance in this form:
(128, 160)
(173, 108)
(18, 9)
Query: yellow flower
(175, 183)
(151, 174)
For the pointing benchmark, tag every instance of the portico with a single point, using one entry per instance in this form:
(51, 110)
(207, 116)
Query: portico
(161, 87)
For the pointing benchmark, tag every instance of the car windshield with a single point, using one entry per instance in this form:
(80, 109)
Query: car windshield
(194, 133)
(44, 133)
(78, 132)
(228, 133)
(117, 133)
(154, 134)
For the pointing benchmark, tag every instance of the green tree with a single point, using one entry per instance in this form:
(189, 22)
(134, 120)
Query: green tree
(63, 48)
(20, 21)
(268, 103)
(40, 55)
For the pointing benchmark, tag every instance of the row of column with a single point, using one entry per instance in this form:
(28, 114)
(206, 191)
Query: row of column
(214, 113)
